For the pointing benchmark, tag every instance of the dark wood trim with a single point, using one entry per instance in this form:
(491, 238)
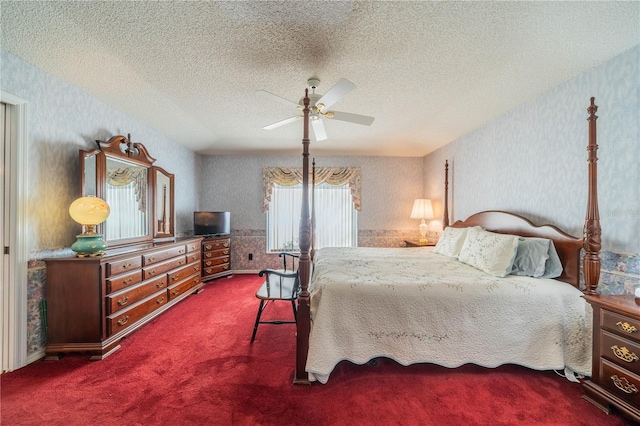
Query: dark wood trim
(445, 219)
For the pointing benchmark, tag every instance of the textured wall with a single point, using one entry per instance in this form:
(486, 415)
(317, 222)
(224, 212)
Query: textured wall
(389, 186)
(533, 161)
(61, 121)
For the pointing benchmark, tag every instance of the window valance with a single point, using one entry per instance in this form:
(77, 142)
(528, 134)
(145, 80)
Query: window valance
(289, 176)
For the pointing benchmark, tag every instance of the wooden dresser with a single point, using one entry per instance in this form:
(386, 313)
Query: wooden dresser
(615, 374)
(93, 302)
(216, 255)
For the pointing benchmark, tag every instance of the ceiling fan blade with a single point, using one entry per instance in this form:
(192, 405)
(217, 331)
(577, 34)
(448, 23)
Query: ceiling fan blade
(277, 98)
(282, 122)
(365, 120)
(333, 95)
(318, 129)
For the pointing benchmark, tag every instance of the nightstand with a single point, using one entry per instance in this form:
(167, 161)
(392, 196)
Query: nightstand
(416, 243)
(615, 371)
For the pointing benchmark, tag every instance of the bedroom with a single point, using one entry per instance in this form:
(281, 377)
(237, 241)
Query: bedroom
(486, 155)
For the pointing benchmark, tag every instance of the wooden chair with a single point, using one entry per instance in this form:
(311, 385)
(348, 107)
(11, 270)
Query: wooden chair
(278, 285)
(292, 263)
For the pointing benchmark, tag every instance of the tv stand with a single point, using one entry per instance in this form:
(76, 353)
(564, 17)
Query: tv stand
(216, 257)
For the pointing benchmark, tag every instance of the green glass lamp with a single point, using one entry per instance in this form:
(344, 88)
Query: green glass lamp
(89, 211)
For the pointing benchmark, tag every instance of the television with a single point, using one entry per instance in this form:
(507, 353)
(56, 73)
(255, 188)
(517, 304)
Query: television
(211, 223)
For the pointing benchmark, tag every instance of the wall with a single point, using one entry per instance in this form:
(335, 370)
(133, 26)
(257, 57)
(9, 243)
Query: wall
(234, 183)
(61, 121)
(533, 161)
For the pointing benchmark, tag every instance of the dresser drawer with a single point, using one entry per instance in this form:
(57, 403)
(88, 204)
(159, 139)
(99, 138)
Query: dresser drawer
(182, 273)
(621, 325)
(195, 246)
(164, 267)
(193, 257)
(620, 382)
(620, 351)
(215, 261)
(215, 269)
(123, 319)
(159, 256)
(216, 245)
(216, 253)
(126, 298)
(183, 287)
(119, 282)
(126, 265)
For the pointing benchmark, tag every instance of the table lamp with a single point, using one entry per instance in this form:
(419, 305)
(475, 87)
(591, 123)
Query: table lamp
(89, 211)
(422, 210)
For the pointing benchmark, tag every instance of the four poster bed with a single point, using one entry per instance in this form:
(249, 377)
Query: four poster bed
(454, 304)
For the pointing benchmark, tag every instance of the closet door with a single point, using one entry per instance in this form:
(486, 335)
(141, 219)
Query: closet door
(6, 326)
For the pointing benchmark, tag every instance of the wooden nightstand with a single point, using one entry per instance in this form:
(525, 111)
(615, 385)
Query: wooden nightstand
(416, 243)
(615, 371)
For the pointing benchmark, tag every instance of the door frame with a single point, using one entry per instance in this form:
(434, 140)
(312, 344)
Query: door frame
(13, 309)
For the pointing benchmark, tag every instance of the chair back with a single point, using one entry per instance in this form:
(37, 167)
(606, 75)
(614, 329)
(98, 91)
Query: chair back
(281, 285)
(292, 261)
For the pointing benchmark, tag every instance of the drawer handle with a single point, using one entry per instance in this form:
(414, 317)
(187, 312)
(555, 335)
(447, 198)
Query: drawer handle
(626, 327)
(208, 246)
(624, 354)
(226, 266)
(196, 267)
(197, 280)
(175, 277)
(181, 251)
(623, 384)
(123, 300)
(225, 245)
(126, 265)
(208, 255)
(176, 292)
(152, 272)
(152, 258)
(208, 263)
(182, 261)
(160, 300)
(160, 284)
(127, 281)
(123, 320)
(225, 252)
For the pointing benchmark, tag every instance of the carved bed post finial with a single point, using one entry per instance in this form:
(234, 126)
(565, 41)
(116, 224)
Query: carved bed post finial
(303, 319)
(445, 219)
(592, 231)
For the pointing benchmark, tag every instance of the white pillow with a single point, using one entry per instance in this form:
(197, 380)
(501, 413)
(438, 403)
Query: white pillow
(490, 252)
(451, 241)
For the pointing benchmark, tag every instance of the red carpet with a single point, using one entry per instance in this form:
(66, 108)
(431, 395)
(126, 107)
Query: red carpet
(194, 365)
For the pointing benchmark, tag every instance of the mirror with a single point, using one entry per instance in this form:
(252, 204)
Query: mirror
(163, 206)
(140, 196)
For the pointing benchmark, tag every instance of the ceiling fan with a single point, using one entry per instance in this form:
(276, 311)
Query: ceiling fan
(319, 106)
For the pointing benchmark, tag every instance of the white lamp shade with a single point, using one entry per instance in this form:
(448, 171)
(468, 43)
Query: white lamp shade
(89, 210)
(422, 209)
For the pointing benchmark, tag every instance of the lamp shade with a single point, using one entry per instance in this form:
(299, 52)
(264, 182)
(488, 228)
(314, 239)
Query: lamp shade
(422, 209)
(89, 210)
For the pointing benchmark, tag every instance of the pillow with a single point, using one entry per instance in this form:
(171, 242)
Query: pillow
(451, 240)
(553, 268)
(531, 257)
(490, 252)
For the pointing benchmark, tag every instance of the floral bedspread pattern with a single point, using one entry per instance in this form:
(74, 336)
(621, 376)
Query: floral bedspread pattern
(413, 305)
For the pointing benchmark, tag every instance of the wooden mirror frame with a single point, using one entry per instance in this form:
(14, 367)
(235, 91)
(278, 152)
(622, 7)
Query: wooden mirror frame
(163, 208)
(120, 148)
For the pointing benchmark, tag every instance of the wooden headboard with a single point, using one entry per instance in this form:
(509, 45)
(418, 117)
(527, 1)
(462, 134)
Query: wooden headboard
(567, 246)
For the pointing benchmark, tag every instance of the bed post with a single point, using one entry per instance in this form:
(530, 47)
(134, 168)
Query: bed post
(592, 242)
(445, 219)
(303, 318)
(313, 209)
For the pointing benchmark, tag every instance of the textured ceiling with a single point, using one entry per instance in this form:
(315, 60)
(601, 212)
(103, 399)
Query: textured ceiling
(429, 72)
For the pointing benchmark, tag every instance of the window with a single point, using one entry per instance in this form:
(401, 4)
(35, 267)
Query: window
(336, 217)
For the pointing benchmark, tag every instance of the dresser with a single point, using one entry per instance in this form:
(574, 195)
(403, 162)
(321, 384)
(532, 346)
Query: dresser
(615, 374)
(93, 302)
(216, 255)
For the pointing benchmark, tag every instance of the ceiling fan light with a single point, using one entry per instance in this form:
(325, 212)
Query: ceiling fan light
(329, 114)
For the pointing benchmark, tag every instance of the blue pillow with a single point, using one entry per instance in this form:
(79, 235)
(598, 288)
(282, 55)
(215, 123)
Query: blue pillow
(553, 268)
(531, 257)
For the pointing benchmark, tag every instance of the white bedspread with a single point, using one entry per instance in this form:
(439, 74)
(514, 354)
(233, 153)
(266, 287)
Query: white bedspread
(412, 305)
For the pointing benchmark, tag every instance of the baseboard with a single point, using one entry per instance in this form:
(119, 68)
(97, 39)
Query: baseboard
(245, 271)
(36, 356)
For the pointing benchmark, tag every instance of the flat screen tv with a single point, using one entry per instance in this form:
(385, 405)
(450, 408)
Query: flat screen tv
(211, 223)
